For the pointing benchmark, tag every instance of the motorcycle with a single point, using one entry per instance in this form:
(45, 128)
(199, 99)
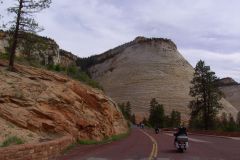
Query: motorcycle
(157, 130)
(181, 143)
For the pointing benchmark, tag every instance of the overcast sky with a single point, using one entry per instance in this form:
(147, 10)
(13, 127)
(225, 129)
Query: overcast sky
(202, 29)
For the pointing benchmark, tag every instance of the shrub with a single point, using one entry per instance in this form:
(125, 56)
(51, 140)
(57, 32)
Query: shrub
(105, 140)
(50, 67)
(4, 56)
(57, 68)
(13, 140)
(83, 77)
(72, 70)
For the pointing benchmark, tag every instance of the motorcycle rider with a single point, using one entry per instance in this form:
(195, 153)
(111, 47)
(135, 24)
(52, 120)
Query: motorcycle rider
(142, 125)
(181, 131)
(157, 129)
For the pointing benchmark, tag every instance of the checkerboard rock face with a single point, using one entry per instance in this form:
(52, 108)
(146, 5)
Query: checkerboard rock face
(144, 69)
(231, 90)
(47, 103)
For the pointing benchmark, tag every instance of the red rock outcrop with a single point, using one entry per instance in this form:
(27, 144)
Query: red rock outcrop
(52, 104)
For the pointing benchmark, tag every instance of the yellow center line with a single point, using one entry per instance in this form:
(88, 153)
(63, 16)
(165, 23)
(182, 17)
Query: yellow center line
(154, 151)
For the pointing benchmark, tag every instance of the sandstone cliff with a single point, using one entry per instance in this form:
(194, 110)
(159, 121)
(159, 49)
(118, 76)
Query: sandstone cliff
(231, 90)
(43, 104)
(67, 58)
(42, 49)
(143, 69)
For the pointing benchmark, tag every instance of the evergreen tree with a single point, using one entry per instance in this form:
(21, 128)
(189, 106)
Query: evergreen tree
(175, 118)
(122, 108)
(232, 126)
(126, 110)
(156, 118)
(133, 119)
(228, 123)
(224, 119)
(24, 22)
(205, 105)
(167, 121)
(238, 119)
(145, 121)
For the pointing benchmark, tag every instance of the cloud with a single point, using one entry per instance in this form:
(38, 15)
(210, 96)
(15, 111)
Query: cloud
(224, 65)
(87, 27)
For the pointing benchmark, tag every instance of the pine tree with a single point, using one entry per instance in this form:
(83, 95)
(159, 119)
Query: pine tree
(167, 121)
(175, 118)
(156, 118)
(145, 121)
(232, 126)
(205, 105)
(238, 119)
(224, 119)
(128, 110)
(133, 119)
(24, 22)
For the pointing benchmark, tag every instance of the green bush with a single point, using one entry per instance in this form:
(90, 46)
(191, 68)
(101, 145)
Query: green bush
(72, 70)
(228, 123)
(13, 140)
(105, 140)
(83, 77)
(50, 67)
(57, 68)
(4, 56)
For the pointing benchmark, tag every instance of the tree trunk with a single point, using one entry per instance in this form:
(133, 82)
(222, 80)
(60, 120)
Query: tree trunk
(15, 37)
(205, 108)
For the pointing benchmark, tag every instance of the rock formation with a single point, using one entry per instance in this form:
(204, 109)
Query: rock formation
(67, 58)
(231, 90)
(143, 69)
(46, 103)
(45, 50)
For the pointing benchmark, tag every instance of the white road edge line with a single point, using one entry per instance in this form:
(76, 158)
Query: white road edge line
(191, 139)
(216, 136)
(235, 138)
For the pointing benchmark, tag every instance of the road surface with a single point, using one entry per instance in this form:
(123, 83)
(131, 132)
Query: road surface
(146, 145)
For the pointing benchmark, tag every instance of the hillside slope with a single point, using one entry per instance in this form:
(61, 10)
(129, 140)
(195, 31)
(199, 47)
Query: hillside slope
(144, 69)
(38, 104)
(43, 50)
(231, 90)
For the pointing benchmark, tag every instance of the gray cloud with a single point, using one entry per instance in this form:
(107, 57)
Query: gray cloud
(202, 29)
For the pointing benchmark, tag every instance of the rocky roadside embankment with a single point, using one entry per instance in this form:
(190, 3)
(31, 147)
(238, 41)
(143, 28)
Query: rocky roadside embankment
(36, 104)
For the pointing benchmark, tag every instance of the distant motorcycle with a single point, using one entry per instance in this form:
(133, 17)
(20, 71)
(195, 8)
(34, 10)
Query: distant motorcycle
(141, 125)
(181, 143)
(157, 130)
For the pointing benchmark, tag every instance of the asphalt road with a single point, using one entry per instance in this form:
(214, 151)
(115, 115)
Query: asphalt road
(145, 144)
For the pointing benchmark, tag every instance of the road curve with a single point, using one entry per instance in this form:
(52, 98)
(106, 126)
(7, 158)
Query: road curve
(154, 152)
(136, 146)
(146, 145)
